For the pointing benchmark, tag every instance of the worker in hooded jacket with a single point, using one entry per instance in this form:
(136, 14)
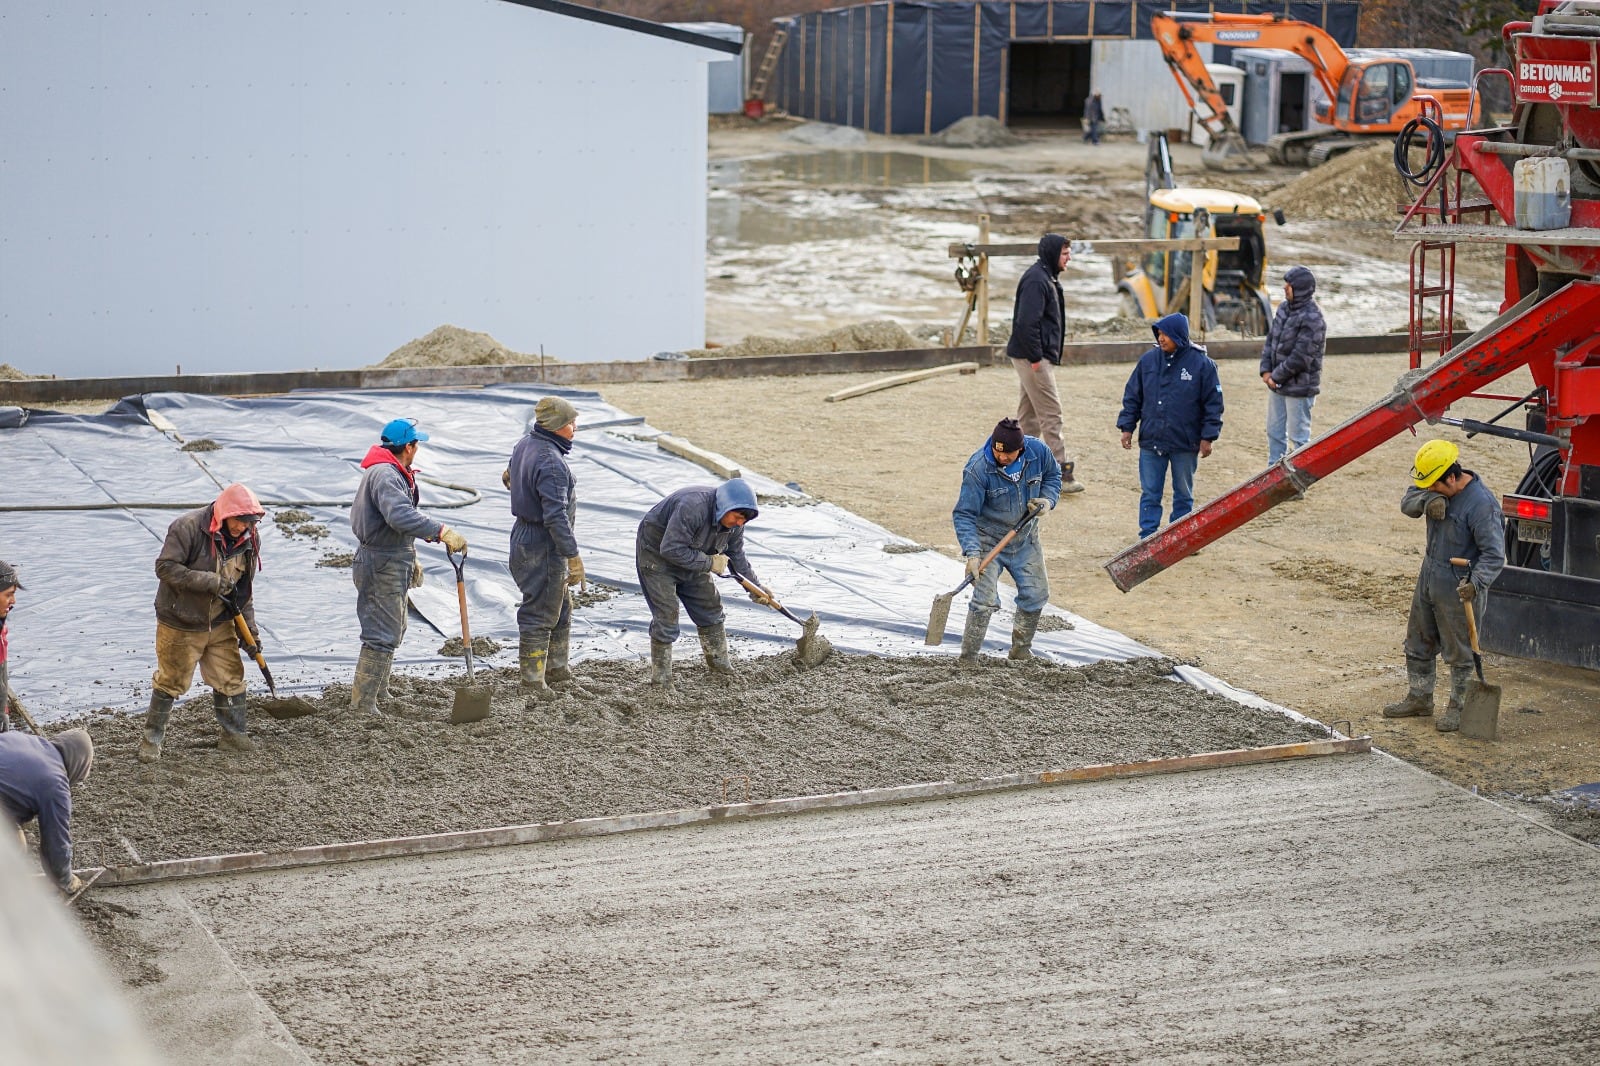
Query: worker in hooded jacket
(684, 540)
(206, 569)
(36, 779)
(387, 523)
(544, 548)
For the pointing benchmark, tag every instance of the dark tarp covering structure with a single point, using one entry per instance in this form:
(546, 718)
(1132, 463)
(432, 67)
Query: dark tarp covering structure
(916, 67)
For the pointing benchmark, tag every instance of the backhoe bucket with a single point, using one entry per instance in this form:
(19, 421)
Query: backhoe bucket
(1229, 152)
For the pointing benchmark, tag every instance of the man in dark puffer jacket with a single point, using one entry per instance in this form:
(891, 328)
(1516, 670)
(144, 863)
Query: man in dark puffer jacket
(1291, 364)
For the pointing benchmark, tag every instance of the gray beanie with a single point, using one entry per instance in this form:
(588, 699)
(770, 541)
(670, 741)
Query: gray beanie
(553, 412)
(8, 577)
(77, 754)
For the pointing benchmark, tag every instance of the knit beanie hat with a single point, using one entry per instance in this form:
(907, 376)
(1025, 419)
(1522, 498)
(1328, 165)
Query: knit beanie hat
(553, 412)
(1008, 435)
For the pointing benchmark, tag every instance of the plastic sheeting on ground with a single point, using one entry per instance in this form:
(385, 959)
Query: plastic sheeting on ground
(84, 628)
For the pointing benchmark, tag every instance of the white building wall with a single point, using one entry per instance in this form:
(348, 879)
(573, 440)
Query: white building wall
(232, 185)
(1133, 74)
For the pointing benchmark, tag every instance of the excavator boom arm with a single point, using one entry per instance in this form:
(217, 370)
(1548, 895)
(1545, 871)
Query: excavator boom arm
(1188, 67)
(1308, 41)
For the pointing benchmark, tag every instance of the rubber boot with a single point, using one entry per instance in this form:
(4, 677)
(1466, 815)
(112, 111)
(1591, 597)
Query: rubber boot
(661, 664)
(533, 659)
(1419, 697)
(231, 733)
(1450, 720)
(972, 636)
(556, 669)
(1069, 484)
(714, 645)
(1023, 626)
(155, 726)
(372, 676)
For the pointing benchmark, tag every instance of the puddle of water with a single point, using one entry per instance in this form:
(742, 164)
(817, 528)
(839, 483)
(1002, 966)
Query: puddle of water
(879, 169)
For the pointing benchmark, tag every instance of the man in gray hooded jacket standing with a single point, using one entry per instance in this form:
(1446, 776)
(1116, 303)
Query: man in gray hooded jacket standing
(544, 548)
(1291, 364)
(689, 536)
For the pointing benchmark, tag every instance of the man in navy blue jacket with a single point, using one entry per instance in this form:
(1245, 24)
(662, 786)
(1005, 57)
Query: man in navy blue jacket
(544, 549)
(1174, 399)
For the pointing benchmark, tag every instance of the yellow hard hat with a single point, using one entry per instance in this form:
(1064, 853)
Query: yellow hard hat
(1433, 459)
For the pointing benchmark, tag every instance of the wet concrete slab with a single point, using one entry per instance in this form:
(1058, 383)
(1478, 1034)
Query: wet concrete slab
(1350, 909)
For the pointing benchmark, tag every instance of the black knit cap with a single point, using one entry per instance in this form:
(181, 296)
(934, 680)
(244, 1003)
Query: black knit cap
(1007, 434)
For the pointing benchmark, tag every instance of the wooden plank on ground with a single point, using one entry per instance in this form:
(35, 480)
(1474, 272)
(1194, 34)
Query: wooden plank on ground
(720, 465)
(901, 379)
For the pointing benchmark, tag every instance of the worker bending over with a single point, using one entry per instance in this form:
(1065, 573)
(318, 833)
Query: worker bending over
(386, 521)
(36, 779)
(207, 571)
(544, 548)
(1463, 522)
(685, 539)
(1011, 477)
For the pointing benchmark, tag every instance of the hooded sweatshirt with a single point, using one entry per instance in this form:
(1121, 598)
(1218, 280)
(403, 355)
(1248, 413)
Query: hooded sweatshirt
(1038, 324)
(1174, 400)
(685, 529)
(384, 516)
(198, 554)
(1297, 340)
(36, 778)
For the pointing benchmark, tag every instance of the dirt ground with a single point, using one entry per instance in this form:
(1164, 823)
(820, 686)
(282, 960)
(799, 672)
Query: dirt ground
(608, 746)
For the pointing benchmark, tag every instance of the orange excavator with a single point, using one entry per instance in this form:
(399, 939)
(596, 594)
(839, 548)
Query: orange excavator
(1372, 96)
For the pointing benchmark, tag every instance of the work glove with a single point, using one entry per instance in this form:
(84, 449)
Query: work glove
(254, 641)
(719, 564)
(974, 566)
(575, 571)
(1466, 591)
(1436, 507)
(505, 477)
(761, 596)
(416, 573)
(452, 540)
(1038, 506)
(224, 587)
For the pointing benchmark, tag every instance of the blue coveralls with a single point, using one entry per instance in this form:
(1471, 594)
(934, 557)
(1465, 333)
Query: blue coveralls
(544, 498)
(386, 521)
(1473, 529)
(672, 551)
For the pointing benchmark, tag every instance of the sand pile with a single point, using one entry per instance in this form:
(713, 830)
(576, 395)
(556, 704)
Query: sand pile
(609, 746)
(824, 135)
(879, 335)
(1118, 327)
(453, 346)
(11, 373)
(1358, 186)
(974, 131)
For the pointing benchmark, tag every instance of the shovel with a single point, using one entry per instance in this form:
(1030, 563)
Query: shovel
(1480, 703)
(17, 706)
(289, 706)
(472, 701)
(812, 647)
(941, 603)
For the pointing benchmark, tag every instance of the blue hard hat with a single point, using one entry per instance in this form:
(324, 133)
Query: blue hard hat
(402, 431)
(736, 495)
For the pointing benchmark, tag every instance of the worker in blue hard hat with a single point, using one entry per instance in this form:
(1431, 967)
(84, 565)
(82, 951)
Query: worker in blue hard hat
(1464, 522)
(387, 523)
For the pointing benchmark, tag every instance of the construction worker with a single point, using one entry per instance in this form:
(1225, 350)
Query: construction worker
(1463, 522)
(1291, 364)
(544, 549)
(1038, 329)
(387, 523)
(1013, 475)
(1174, 398)
(1094, 118)
(36, 779)
(9, 584)
(206, 569)
(684, 540)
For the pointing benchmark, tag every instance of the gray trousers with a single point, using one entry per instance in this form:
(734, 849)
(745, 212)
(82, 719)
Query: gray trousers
(382, 579)
(1438, 622)
(541, 574)
(665, 585)
(1039, 406)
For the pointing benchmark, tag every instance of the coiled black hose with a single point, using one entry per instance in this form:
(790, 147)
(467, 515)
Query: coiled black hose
(1432, 160)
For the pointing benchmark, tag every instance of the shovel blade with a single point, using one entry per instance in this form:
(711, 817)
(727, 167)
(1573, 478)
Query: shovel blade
(472, 704)
(1480, 711)
(813, 648)
(937, 618)
(288, 707)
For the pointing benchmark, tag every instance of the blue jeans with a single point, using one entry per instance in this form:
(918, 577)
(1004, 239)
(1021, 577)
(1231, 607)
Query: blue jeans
(1288, 424)
(1153, 482)
(1024, 561)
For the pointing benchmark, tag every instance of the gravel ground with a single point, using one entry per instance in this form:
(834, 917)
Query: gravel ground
(610, 748)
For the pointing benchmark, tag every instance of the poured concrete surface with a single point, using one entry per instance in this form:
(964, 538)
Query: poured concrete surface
(1344, 909)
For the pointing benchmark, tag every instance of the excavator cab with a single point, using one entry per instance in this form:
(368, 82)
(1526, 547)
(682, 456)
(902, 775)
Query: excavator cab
(1370, 94)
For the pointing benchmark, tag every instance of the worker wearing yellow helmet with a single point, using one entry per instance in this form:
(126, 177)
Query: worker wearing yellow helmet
(1463, 522)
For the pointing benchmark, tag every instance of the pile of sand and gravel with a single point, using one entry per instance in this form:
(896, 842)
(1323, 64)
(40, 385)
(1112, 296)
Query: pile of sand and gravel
(878, 335)
(11, 373)
(454, 346)
(610, 746)
(1359, 186)
(974, 131)
(825, 135)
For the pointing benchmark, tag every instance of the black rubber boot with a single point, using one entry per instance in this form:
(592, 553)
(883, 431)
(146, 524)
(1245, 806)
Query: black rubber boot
(1450, 720)
(372, 677)
(1419, 696)
(714, 646)
(533, 655)
(556, 669)
(972, 636)
(1023, 627)
(1069, 484)
(155, 726)
(661, 664)
(230, 722)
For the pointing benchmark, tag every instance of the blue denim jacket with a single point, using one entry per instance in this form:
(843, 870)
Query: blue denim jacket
(991, 502)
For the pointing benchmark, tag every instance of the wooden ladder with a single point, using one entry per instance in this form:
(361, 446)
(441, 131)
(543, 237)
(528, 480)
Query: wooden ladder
(769, 62)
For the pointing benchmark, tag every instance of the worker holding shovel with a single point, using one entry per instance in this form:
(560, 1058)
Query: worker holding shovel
(689, 536)
(544, 549)
(1011, 478)
(9, 584)
(1463, 522)
(206, 569)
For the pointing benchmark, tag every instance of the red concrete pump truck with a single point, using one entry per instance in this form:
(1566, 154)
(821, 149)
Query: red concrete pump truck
(1540, 170)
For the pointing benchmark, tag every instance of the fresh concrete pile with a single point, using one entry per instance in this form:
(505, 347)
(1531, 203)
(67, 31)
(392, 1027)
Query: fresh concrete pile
(612, 747)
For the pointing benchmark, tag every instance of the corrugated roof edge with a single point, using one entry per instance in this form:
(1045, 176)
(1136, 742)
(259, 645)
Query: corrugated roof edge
(626, 22)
